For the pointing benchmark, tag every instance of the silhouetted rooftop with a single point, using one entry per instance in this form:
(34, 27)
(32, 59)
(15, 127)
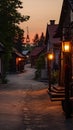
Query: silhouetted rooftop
(52, 30)
(67, 5)
(37, 50)
(17, 53)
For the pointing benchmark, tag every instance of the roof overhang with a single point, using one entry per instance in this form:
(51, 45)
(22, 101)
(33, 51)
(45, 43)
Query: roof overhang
(66, 4)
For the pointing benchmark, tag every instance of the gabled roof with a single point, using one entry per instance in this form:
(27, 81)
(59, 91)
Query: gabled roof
(67, 4)
(17, 53)
(51, 31)
(37, 51)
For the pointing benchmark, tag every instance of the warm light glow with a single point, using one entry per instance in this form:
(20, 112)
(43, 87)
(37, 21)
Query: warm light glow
(50, 56)
(66, 46)
(19, 59)
(27, 56)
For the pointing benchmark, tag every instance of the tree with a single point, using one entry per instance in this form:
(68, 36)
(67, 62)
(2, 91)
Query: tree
(19, 40)
(36, 39)
(10, 19)
(41, 39)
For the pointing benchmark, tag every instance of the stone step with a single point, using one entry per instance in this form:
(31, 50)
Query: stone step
(57, 90)
(57, 93)
(54, 94)
(57, 99)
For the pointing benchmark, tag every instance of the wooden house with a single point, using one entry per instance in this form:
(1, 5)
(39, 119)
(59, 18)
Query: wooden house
(35, 53)
(16, 62)
(65, 32)
(53, 44)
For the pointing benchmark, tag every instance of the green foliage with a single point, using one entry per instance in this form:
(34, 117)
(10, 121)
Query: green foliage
(28, 47)
(4, 79)
(19, 39)
(54, 76)
(40, 64)
(10, 19)
(39, 41)
(36, 39)
(6, 57)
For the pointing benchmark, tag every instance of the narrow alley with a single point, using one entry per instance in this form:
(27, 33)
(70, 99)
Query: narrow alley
(25, 105)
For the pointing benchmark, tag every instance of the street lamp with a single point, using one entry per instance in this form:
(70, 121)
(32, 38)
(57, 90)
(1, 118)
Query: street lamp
(50, 58)
(66, 46)
(66, 104)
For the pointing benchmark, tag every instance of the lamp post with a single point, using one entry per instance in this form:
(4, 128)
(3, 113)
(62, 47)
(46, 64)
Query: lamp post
(66, 104)
(66, 47)
(50, 58)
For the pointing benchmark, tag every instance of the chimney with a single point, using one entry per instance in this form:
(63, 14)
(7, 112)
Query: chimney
(52, 22)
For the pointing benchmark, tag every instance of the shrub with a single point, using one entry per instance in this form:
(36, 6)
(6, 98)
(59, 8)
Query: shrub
(54, 76)
(40, 64)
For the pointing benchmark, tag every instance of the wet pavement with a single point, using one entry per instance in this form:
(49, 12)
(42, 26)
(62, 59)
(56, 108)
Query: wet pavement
(25, 105)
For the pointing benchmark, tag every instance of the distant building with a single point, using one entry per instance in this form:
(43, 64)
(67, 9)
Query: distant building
(16, 62)
(26, 54)
(35, 53)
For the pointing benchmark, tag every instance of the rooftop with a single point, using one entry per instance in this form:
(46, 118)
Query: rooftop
(52, 30)
(17, 53)
(37, 50)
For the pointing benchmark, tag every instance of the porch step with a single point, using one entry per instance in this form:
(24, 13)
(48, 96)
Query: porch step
(57, 89)
(57, 93)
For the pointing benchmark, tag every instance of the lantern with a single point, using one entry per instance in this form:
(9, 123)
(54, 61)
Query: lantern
(66, 46)
(50, 56)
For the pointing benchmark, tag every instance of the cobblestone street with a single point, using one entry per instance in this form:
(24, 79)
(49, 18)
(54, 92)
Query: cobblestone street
(40, 112)
(25, 105)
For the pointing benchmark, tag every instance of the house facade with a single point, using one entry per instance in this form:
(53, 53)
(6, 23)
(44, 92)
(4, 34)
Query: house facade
(53, 44)
(17, 62)
(65, 33)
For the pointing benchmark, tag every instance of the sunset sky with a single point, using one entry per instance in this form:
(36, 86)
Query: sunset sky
(40, 12)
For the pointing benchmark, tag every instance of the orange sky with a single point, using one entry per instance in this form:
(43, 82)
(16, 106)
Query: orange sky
(40, 12)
